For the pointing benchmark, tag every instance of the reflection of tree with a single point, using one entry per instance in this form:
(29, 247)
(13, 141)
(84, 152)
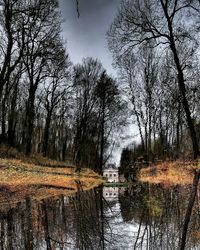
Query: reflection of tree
(131, 206)
(66, 223)
(89, 219)
(159, 215)
(16, 228)
(85, 220)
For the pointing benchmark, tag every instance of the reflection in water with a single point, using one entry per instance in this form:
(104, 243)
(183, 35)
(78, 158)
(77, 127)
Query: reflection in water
(112, 193)
(140, 217)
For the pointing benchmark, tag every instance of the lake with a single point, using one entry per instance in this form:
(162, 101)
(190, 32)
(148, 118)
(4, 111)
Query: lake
(141, 216)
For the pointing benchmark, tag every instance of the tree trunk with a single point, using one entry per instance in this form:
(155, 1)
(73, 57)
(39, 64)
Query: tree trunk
(46, 226)
(181, 84)
(30, 121)
(178, 129)
(3, 113)
(46, 133)
(3, 119)
(97, 151)
(189, 209)
(139, 124)
(77, 149)
(29, 223)
(12, 118)
(182, 90)
(102, 220)
(64, 147)
(102, 143)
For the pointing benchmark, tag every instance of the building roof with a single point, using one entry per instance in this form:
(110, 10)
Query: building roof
(110, 169)
(111, 166)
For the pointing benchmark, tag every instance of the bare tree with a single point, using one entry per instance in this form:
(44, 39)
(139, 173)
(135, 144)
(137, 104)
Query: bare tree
(12, 34)
(41, 42)
(86, 77)
(108, 108)
(54, 92)
(169, 24)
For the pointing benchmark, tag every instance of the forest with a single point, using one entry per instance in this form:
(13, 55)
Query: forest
(158, 59)
(64, 111)
(48, 105)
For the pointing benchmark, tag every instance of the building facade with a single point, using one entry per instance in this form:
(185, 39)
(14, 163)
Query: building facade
(111, 174)
(110, 193)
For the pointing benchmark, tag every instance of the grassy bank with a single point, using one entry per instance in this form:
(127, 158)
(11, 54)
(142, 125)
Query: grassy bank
(41, 178)
(169, 173)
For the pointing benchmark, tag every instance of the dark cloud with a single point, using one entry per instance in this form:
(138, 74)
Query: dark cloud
(86, 35)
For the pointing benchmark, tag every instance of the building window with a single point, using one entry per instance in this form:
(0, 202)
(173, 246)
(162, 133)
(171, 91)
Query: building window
(106, 175)
(110, 175)
(114, 175)
(106, 194)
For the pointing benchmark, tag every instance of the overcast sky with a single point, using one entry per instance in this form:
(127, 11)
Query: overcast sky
(86, 35)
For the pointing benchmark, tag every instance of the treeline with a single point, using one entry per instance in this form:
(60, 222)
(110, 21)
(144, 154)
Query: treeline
(65, 111)
(33, 68)
(155, 45)
(47, 105)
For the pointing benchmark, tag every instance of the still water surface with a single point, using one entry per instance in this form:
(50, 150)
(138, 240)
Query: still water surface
(139, 217)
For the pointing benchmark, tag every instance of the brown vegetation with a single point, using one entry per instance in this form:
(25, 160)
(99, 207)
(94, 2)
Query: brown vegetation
(20, 179)
(169, 173)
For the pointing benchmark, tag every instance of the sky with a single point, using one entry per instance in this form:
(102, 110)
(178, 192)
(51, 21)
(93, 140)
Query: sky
(86, 36)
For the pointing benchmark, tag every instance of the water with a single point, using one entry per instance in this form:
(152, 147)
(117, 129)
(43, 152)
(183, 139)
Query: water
(139, 217)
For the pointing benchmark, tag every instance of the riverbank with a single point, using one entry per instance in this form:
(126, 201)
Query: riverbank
(169, 173)
(41, 178)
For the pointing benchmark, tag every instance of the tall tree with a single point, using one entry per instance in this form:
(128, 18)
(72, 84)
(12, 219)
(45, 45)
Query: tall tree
(170, 24)
(54, 92)
(109, 106)
(41, 41)
(86, 77)
(12, 34)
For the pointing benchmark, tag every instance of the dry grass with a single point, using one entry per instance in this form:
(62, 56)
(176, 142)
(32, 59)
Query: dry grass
(20, 179)
(169, 173)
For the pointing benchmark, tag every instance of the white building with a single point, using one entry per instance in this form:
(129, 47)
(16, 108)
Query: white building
(110, 193)
(111, 174)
